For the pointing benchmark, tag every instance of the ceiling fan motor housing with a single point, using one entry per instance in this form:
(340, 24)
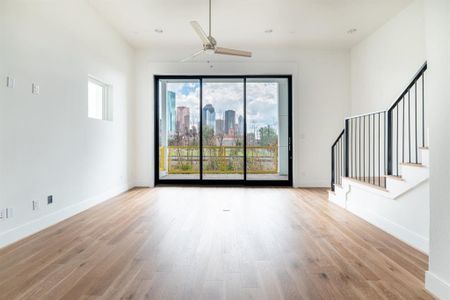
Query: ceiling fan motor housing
(212, 41)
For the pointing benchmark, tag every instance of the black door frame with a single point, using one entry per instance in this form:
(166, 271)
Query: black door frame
(225, 182)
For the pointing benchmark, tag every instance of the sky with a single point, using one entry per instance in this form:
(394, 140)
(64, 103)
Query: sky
(262, 98)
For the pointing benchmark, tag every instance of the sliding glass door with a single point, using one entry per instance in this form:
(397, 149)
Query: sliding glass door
(179, 122)
(267, 129)
(223, 130)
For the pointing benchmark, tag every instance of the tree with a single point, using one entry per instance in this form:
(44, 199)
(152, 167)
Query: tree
(267, 136)
(208, 136)
(220, 137)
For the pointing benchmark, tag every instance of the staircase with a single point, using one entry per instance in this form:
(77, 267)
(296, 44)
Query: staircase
(380, 166)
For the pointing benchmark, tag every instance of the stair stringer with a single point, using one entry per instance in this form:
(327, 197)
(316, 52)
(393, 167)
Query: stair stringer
(402, 209)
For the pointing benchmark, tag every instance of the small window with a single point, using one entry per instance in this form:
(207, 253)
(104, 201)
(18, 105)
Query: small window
(99, 100)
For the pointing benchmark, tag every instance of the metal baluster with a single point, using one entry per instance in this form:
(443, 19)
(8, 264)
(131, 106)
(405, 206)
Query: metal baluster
(369, 160)
(374, 154)
(340, 157)
(346, 131)
(350, 147)
(364, 148)
(415, 121)
(333, 176)
(384, 143)
(403, 131)
(396, 147)
(423, 110)
(409, 126)
(359, 148)
(388, 141)
(379, 148)
(354, 150)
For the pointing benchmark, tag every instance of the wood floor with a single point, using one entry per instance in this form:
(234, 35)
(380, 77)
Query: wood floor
(213, 243)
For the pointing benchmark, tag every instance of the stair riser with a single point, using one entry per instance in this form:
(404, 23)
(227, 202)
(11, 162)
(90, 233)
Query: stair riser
(395, 186)
(425, 157)
(413, 174)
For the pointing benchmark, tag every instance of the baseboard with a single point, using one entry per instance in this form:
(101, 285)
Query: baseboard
(27, 229)
(409, 237)
(143, 183)
(337, 200)
(312, 184)
(436, 286)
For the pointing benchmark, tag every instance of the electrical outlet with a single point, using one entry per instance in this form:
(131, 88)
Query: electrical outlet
(50, 199)
(9, 213)
(35, 205)
(35, 89)
(10, 82)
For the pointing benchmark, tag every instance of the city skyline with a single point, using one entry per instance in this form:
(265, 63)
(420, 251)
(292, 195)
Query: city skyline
(179, 118)
(222, 112)
(262, 99)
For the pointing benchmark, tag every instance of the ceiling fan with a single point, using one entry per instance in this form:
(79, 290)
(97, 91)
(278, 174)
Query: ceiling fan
(210, 44)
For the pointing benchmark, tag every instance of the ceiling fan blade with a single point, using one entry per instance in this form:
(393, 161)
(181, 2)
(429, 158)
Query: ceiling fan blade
(228, 51)
(198, 29)
(192, 56)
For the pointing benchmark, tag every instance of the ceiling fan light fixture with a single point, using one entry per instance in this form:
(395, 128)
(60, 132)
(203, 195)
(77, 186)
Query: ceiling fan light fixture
(159, 30)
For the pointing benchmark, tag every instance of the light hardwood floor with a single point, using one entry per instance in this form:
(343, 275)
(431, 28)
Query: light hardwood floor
(213, 243)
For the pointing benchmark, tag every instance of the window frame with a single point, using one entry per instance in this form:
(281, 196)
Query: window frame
(107, 103)
(225, 182)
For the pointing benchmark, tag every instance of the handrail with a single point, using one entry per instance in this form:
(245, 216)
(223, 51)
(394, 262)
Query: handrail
(183, 160)
(339, 137)
(366, 114)
(337, 162)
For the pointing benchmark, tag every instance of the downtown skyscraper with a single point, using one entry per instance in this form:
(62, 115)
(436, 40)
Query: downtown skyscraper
(171, 111)
(230, 120)
(209, 116)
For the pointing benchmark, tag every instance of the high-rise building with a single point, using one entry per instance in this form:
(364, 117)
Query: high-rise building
(230, 120)
(209, 116)
(183, 119)
(220, 124)
(240, 125)
(171, 112)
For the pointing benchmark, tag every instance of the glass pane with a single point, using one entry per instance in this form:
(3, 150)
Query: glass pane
(223, 127)
(95, 100)
(179, 120)
(267, 129)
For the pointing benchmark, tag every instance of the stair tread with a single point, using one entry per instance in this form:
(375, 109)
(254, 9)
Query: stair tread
(367, 184)
(399, 178)
(418, 165)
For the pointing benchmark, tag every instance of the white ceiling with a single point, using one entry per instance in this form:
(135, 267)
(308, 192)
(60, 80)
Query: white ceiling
(241, 23)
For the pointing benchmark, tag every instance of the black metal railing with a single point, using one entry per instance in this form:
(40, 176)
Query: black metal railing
(367, 147)
(337, 160)
(374, 145)
(406, 125)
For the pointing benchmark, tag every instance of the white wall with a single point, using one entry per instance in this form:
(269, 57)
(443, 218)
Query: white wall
(320, 101)
(384, 63)
(406, 217)
(48, 146)
(438, 93)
